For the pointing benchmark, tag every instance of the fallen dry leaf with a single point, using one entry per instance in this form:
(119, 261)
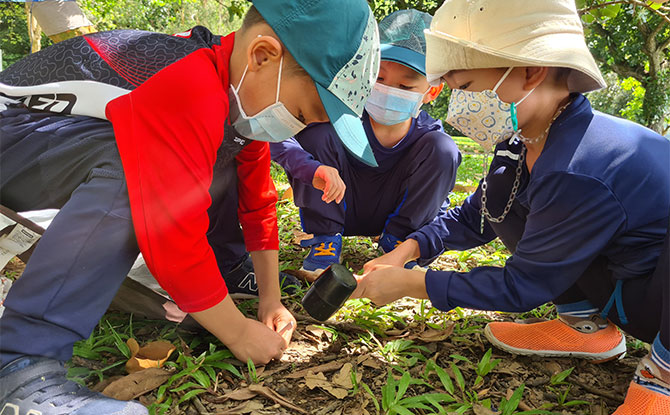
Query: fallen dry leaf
(277, 398)
(319, 381)
(343, 377)
(482, 410)
(153, 354)
(395, 332)
(326, 367)
(240, 394)
(432, 335)
(288, 194)
(245, 408)
(320, 333)
(299, 236)
(136, 384)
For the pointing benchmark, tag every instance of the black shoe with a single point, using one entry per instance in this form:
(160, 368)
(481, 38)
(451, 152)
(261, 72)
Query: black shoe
(241, 281)
(37, 385)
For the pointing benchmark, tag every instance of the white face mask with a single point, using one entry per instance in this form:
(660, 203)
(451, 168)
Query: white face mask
(273, 123)
(389, 106)
(483, 116)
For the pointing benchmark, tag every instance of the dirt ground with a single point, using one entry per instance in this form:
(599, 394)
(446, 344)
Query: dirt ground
(314, 375)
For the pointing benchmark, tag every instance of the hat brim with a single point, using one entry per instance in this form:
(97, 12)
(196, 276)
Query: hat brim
(407, 57)
(447, 53)
(348, 126)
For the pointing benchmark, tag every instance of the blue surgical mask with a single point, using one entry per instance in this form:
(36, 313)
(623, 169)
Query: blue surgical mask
(273, 123)
(389, 106)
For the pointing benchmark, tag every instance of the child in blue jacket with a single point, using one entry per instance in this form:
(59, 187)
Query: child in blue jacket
(416, 159)
(580, 198)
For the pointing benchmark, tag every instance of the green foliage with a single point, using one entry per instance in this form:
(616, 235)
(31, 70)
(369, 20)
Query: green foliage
(561, 389)
(362, 313)
(194, 376)
(382, 8)
(632, 41)
(394, 402)
(166, 16)
(251, 369)
(14, 38)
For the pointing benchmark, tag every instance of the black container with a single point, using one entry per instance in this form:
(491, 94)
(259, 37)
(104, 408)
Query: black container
(329, 292)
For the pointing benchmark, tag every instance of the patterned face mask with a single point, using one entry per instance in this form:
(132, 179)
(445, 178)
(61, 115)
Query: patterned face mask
(483, 116)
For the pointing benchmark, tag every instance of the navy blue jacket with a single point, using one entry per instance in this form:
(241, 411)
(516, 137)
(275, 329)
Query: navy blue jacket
(601, 187)
(302, 165)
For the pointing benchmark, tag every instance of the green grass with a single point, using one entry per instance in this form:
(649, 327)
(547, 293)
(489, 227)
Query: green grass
(416, 381)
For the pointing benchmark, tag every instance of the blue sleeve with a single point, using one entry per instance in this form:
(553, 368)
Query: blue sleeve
(572, 220)
(295, 160)
(457, 228)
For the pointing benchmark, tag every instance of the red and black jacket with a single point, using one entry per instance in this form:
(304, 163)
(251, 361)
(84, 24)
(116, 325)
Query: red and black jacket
(167, 99)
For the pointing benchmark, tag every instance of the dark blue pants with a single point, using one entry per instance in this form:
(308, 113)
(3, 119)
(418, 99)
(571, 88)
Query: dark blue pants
(397, 200)
(646, 300)
(72, 163)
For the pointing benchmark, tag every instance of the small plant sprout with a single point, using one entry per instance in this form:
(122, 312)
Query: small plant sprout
(562, 388)
(253, 375)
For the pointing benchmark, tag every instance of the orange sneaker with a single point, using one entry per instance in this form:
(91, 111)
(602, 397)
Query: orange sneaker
(643, 401)
(555, 338)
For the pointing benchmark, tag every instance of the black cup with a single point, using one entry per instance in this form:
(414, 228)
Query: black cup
(329, 292)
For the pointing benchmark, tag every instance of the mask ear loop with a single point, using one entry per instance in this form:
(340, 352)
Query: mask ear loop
(495, 88)
(281, 64)
(239, 84)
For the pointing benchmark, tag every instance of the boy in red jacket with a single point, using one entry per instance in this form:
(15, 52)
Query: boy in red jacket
(124, 132)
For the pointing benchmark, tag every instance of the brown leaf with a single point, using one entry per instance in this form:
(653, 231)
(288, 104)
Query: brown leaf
(432, 335)
(319, 381)
(240, 394)
(153, 354)
(343, 377)
(245, 408)
(299, 236)
(277, 398)
(326, 367)
(288, 194)
(482, 410)
(136, 384)
(319, 332)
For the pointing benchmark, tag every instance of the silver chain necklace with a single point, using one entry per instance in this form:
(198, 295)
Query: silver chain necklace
(517, 180)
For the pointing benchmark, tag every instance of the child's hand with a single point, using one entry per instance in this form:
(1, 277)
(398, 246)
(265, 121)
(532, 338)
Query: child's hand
(406, 251)
(328, 180)
(386, 259)
(385, 284)
(245, 337)
(257, 342)
(274, 315)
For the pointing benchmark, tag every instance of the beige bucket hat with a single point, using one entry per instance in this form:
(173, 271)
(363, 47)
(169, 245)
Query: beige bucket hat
(472, 34)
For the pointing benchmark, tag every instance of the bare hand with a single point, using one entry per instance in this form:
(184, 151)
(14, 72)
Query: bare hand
(385, 284)
(276, 317)
(328, 180)
(386, 259)
(257, 342)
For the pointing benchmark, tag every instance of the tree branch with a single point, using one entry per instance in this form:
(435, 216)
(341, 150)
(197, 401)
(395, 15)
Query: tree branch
(632, 2)
(621, 68)
(665, 44)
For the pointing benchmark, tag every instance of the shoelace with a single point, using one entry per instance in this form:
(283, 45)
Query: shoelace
(321, 249)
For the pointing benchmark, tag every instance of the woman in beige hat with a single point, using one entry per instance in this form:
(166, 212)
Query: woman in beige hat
(580, 198)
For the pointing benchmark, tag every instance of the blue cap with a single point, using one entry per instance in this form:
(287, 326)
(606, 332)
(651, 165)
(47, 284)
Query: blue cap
(337, 43)
(402, 39)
